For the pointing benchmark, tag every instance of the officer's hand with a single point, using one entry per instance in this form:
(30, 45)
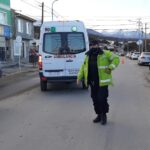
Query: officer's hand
(78, 82)
(108, 71)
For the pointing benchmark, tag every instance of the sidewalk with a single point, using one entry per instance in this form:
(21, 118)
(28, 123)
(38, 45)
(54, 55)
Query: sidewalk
(12, 69)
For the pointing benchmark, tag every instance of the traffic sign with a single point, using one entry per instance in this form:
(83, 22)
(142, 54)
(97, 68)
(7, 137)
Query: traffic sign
(17, 48)
(139, 42)
(18, 38)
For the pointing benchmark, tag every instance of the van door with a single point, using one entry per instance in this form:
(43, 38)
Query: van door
(73, 63)
(76, 52)
(53, 66)
(53, 62)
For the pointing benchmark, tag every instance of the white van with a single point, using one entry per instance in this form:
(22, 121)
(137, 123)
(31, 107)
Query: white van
(62, 50)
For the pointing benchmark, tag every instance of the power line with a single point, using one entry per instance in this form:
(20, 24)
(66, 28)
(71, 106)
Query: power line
(112, 25)
(103, 18)
(37, 7)
(115, 28)
(48, 8)
(133, 29)
(54, 12)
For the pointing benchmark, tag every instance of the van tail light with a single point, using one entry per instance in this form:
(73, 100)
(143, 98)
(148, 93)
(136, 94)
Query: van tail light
(40, 62)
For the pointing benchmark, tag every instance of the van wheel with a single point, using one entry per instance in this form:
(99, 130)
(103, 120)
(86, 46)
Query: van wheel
(84, 86)
(43, 85)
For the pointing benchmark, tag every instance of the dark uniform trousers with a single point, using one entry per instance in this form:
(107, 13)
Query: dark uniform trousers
(99, 96)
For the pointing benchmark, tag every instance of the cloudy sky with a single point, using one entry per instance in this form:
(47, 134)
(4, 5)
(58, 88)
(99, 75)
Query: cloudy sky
(101, 14)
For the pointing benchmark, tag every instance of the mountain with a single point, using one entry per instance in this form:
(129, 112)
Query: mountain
(119, 35)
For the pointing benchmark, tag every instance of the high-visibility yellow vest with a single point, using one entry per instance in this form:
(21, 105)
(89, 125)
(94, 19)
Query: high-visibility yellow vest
(106, 60)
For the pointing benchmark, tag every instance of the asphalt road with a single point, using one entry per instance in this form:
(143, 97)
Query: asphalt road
(18, 84)
(61, 118)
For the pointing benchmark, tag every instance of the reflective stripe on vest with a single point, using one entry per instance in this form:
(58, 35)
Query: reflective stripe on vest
(104, 81)
(112, 57)
(114, 66)
(102, 67)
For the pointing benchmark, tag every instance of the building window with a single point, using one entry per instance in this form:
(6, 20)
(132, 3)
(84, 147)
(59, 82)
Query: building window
(28, 28)
(3, 18)
(20, 25)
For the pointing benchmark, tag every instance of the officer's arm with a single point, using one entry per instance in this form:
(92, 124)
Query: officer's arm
(114, 60)
(81, 73)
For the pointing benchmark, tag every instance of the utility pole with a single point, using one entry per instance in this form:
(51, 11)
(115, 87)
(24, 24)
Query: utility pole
(145, 37)
(142, 32)
(42, 19)
(139, 24)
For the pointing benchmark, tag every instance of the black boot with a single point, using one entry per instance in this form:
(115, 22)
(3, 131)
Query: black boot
(103, 119)
(97, 119)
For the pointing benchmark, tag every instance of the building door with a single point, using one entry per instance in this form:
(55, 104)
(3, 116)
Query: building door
(23, 50)
(2, 49)
(2, 54)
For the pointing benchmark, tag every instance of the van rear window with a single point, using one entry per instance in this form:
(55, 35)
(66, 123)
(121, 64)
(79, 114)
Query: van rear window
(64, 43)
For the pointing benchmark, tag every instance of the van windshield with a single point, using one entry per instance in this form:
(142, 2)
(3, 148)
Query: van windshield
(64, 43)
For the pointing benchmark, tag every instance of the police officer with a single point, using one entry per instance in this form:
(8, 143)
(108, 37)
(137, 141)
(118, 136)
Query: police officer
(96, 72)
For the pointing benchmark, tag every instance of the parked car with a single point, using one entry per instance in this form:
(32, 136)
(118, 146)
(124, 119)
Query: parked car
(121, 54)
(135, 55)
(144, 58)
(127, 55)
(130, 54)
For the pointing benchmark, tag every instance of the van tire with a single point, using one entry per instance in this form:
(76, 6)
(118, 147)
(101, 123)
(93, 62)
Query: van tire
(43, 85)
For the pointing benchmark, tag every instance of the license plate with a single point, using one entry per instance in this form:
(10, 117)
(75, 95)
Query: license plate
(54, 73)
(73, 71)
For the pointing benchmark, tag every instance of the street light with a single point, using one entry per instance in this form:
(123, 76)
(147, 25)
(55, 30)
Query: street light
(52, 8)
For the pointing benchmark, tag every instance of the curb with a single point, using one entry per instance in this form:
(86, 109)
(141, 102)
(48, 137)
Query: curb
(18, 73)
(9, 66)
(16, 77)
